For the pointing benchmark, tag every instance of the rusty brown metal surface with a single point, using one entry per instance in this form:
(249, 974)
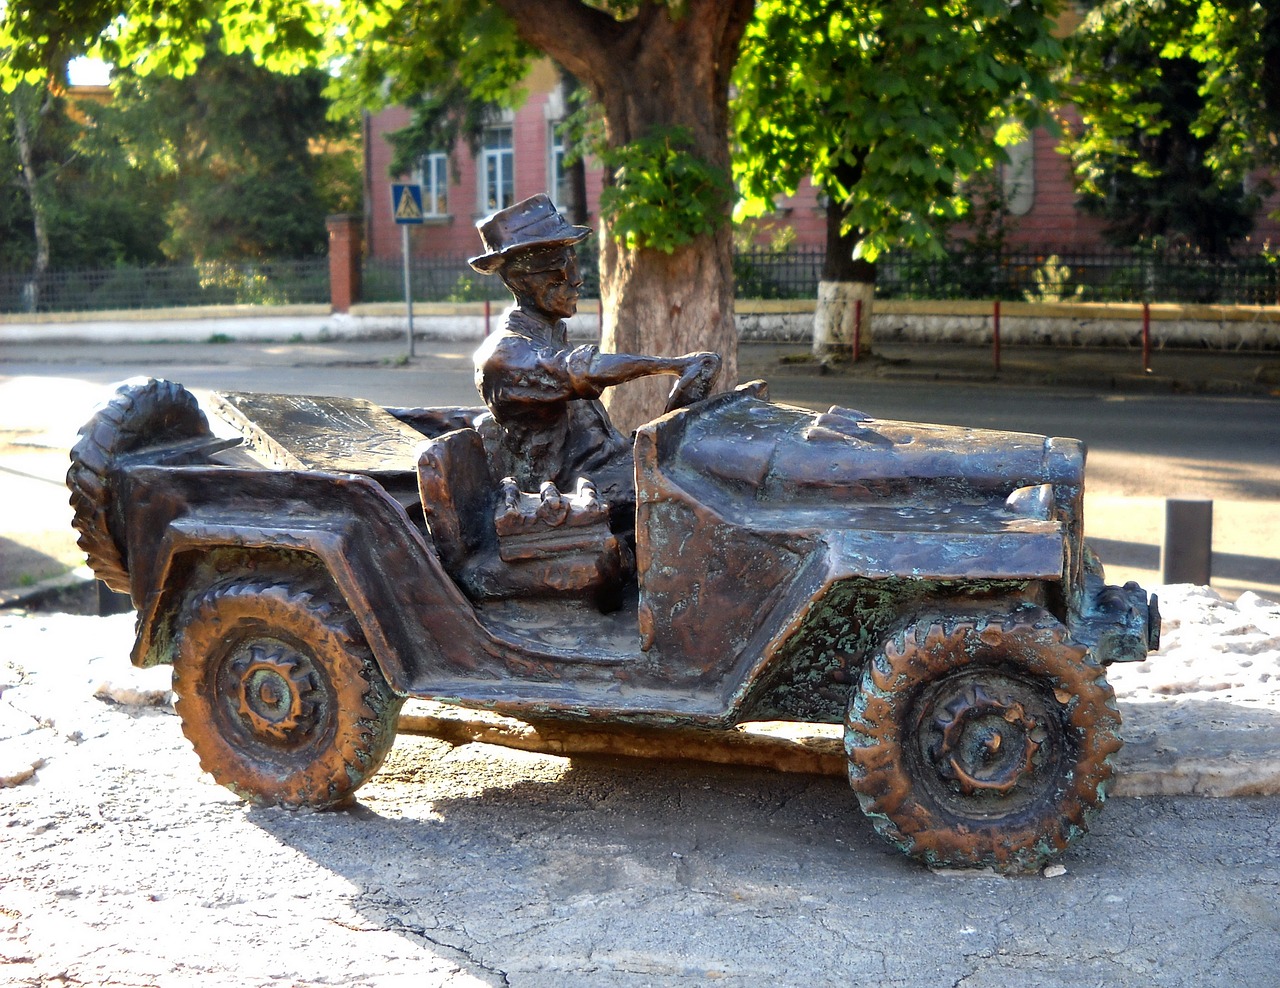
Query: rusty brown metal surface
(928, 586)
(983, 740)
(314, 432)
(279, 695)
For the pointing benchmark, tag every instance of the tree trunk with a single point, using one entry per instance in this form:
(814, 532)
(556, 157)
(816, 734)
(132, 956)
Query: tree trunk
(29, 107)
(654, 70)
(666, 305)
(846, 282)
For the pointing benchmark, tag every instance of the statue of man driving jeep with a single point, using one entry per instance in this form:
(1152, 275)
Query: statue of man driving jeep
(542, 393)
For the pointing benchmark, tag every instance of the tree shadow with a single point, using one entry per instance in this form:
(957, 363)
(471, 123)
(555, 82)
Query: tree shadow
(23, 566)
(482, 854)
(1259, 571)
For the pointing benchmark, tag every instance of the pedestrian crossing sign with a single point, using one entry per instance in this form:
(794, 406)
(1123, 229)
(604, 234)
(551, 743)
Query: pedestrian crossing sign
(406, 203)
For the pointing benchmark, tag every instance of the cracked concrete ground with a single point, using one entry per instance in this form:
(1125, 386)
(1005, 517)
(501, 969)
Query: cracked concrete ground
(472, 864)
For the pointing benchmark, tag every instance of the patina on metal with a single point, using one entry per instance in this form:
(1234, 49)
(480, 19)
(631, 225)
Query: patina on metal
(926, 586)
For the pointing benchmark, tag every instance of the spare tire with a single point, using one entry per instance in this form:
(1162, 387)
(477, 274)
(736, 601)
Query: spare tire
(143, 412)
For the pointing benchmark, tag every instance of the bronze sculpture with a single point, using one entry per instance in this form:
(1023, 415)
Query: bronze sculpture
(542, 395)
(927, 586)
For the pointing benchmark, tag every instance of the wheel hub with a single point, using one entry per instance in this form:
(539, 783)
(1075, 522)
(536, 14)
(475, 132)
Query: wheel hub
(986, 742)
(273, 688)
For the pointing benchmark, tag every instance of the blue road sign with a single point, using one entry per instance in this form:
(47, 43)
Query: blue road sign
(406, 203)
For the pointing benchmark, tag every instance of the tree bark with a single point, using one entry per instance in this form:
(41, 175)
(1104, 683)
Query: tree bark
(846, 281)
(29, 107)
(657, 69)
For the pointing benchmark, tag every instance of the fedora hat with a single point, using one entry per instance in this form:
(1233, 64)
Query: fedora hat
(529, 225)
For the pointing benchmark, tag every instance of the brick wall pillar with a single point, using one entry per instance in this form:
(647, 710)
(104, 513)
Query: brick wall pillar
(344, 260)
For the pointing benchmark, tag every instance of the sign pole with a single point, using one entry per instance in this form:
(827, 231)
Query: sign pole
(406, 209)
(408, 281)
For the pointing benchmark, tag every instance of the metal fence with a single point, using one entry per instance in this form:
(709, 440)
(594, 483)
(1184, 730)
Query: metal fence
(777, 274)
(259, 283)
(757, 274)
(1045, 275)
(449, 278)
(434, 279)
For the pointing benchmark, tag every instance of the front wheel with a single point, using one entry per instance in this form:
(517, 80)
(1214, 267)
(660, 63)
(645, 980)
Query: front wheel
(280, 695)
(984, 741)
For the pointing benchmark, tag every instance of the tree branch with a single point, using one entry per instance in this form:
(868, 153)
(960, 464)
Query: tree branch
(582, 39)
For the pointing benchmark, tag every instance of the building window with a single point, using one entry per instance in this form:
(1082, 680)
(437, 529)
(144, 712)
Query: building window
(434, 179)
(559, 186)
(497, 170)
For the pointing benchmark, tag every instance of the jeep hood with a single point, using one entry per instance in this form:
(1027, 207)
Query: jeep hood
(786, 454)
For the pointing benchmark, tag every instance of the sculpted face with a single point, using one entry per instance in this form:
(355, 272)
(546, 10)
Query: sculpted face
(553, 289)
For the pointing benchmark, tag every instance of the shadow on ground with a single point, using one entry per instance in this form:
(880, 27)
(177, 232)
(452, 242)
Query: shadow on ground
(1258, 570)
(624, 867)
(25, 565)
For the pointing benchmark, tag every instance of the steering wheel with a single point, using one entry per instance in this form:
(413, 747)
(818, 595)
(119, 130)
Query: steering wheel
(696, 381)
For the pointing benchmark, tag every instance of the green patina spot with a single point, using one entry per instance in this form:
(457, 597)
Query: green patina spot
(818, 668)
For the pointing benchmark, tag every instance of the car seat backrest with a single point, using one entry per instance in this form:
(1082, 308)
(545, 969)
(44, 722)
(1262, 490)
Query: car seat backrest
(458, 495)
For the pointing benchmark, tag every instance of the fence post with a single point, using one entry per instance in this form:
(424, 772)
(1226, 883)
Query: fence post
(1146, 337)
(344, 260)
(995, 334)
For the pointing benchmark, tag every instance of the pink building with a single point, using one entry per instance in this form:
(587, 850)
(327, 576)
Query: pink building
(521, 155)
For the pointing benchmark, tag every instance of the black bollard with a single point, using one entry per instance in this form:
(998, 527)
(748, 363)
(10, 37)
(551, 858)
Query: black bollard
(110, 602)
(1187, 553)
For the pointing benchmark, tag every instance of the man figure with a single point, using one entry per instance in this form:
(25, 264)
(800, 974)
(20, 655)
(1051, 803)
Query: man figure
(543, 394)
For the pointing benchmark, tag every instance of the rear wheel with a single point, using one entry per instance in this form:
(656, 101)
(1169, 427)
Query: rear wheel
(279, 694)
(982, 741)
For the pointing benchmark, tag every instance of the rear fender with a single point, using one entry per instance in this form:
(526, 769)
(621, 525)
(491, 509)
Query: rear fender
(412, 614)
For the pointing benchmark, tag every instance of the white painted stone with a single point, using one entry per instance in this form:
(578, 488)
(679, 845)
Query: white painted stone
(796, 327)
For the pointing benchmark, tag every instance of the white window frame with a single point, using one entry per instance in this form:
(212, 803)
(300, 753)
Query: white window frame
(433, 176)
(497, 185)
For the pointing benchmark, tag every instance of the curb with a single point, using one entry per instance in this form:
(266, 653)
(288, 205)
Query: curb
(1149, 764)
(39, 592)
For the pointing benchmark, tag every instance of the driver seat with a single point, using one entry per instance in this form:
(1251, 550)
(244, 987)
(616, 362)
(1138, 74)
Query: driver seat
(571, 557)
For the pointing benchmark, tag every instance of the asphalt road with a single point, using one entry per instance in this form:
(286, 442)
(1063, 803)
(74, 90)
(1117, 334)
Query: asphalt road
(1140, 444)
(1144, 446)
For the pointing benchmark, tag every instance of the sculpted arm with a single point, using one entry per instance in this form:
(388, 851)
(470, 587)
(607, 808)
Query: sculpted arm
(696, 372)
